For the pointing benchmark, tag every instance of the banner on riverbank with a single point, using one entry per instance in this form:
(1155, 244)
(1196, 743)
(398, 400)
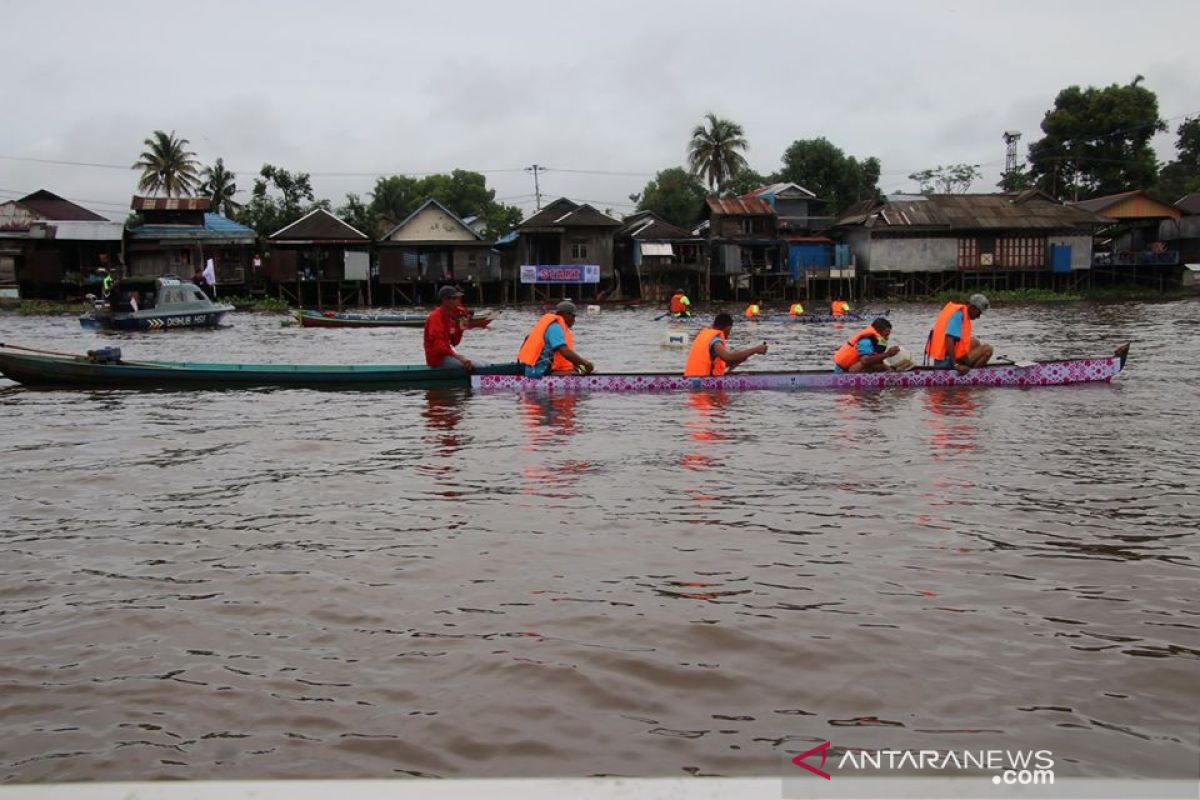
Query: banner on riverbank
(560, 273)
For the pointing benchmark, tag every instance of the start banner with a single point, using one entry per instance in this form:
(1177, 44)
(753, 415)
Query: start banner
(560, 273)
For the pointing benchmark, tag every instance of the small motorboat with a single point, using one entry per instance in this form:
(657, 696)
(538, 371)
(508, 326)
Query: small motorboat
(151, 304)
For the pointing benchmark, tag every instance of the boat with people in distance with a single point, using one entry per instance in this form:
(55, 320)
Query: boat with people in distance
(153, 304)
(849, 316)
(1016, 374)
(106, 368)
(345, 319)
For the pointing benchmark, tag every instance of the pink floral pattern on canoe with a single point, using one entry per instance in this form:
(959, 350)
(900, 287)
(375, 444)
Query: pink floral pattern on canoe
(1041, 373)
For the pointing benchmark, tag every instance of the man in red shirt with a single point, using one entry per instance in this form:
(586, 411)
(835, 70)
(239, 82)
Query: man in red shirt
(443, 330)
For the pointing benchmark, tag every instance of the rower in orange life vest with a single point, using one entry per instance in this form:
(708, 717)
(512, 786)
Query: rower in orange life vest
(866, 350)
(950, 344)
(753, 311)
(838, 307)
(680, 305)
(549, 349)
(796, 310)
(710, 356)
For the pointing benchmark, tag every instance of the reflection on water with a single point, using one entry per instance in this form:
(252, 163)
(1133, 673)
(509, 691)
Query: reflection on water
(952, 418)
(316, 584)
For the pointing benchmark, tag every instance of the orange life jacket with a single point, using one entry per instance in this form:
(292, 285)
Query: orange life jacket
(839, 307)
(700, 362)
(535, 342)
(752, 311)
(796, 310)
(677, 304)
(847, 355)
(935, 347)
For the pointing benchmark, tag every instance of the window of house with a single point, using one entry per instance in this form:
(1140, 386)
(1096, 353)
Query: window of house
(472, 260)
(579, 250)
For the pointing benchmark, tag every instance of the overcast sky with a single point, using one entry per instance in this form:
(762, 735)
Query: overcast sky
(348, 90)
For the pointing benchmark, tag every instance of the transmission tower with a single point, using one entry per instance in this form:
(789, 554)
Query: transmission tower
(1010, 160)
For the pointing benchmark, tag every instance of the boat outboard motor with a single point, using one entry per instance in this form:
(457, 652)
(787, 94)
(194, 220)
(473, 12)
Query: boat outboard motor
(105, 355)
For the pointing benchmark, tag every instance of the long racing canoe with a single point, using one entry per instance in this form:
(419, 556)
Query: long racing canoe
(106, 369)
(1035, 373)
(346, 319)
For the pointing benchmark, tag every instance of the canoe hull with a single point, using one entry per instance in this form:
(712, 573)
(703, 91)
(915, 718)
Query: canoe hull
(1041, 373)
(315, 319)
(79, 372)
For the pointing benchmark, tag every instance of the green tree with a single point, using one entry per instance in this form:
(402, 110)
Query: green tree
(167, 166)
(278, 199)
(1016, 180)
(674, 194)
(745, 182)
(950, 179)
(715, 151)
(1182, 176)
(822, 168)
(358, 214)
(1097, 141)
(462, 191)
(219, 187)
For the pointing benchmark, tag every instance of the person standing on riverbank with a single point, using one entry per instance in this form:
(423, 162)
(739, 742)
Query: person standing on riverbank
(444, 330)
(710, 356)
(549, 349)
(950, 344)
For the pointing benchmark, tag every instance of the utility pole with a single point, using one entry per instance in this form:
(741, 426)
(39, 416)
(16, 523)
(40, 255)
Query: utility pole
(537, 189)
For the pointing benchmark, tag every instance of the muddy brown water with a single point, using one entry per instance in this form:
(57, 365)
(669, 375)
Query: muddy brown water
(295, 583)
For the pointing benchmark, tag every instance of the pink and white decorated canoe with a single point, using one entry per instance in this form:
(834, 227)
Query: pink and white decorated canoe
(1035, 373)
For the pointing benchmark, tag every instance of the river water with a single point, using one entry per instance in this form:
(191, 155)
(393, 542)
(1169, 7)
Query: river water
(295, 583)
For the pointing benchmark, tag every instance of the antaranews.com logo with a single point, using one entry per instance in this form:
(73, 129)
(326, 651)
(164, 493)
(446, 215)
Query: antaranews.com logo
(1009, 767)
(825, 772)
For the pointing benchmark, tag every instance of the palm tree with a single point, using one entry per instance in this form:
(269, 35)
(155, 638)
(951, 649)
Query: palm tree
(713, 152)
(220, 188)
(167, 166)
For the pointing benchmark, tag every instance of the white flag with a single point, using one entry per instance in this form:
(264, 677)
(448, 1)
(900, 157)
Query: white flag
(210, 273)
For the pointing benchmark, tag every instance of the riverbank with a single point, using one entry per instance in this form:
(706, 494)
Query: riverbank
(29, 308)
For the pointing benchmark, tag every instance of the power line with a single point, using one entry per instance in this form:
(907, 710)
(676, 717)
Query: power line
(537, 189)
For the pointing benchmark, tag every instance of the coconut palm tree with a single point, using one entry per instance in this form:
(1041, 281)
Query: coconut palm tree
(167, 166)
(713, 153)
(220, 188)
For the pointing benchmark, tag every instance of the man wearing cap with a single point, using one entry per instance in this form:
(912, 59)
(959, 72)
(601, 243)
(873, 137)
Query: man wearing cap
(443, 331)
(549, 349)
(950, 344)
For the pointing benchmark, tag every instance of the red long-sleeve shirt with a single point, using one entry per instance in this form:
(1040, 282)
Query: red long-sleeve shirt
(442, 332)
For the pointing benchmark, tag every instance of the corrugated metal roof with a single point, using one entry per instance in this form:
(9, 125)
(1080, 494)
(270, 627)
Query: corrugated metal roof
(48, 205)
(740, 207)
(1189, 204)
(585, 215)
(788, 191)
(170, 204)
(1098, 204)
(550, 213)
(88, 230)
(1129, 205)
(1028, 211)
(216, 227)
(319, 224)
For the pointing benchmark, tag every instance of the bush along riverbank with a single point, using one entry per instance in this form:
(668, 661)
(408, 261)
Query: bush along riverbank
(49, 308)
(264, 304)
(1110, 294)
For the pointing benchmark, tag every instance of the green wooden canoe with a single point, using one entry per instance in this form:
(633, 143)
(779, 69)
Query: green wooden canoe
(64, 371)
